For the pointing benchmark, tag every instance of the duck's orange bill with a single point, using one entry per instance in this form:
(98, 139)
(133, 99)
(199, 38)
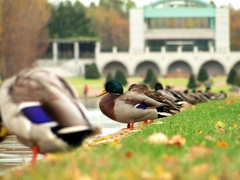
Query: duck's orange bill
(102, 93)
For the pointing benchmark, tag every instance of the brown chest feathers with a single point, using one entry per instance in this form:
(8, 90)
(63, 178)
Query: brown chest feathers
(107, 104)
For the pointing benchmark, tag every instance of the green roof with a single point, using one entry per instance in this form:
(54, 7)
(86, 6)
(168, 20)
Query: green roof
(198, 2)
(200, 9)
(179, 13)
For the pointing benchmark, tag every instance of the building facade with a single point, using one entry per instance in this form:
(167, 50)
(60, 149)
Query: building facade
(169, 36)
(174, 23)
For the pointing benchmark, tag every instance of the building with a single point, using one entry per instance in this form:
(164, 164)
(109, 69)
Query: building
(172, 37)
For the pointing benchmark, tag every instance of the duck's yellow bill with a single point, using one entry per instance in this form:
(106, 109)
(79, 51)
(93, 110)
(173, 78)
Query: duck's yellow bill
(102, 93)
(3, 133)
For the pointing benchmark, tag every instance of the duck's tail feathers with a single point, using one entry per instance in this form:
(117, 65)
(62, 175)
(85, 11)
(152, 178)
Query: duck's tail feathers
(75, 135)
(163, 114)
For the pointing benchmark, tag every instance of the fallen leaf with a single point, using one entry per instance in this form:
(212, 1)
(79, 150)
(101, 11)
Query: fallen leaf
(199, 151)
(170, 161)
(222, 144)
(199, 169)
(232, 102)
(177, 140)
(200, 131)
(235, 126)
(158, 138)
(210, 138)
(220, 107)
(129, 154)
(221, 130)
(220, 124)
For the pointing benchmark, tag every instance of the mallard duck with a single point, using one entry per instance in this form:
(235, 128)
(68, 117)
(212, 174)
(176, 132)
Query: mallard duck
(43, 111)
(175, 97)
(143, 88)
(131, 106)
(209, 94)
(220, 95)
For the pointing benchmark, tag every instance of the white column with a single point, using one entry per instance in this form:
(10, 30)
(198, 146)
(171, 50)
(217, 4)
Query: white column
(55, 52)
(76, 50)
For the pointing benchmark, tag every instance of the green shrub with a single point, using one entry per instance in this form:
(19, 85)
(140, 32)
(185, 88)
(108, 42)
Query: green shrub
(154, 80)
(92, 72)
(231, 76)
(237, 80)
(120, 77)
(148, 76)
(192, 82)
(202, 75)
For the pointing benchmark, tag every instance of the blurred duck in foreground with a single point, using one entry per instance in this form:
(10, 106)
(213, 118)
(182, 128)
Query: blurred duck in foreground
(131, 106)
(43, 111)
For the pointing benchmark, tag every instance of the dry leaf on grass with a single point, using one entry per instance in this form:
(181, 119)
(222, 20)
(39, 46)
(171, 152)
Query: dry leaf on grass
(200, 168)
(177, 140)
(222, 144)
(158, 138)
(129, 154)
(199, 151)
(210, 138)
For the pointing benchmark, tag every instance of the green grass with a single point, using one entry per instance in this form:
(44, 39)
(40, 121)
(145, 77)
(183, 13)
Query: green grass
(98, 84)
(134, 157)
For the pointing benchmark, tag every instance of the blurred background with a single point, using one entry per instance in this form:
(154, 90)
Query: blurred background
(173, 38)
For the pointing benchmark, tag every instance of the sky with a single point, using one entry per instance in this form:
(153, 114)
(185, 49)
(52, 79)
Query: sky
(141, 3)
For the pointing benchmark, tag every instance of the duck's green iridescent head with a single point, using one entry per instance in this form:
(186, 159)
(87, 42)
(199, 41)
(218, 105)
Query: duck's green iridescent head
(112, 86)
(158, 86)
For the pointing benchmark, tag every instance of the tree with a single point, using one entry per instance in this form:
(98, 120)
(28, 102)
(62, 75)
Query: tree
(153, 81)
(202, 75)
(234, 29)
(69, 20)
(24, 34)
(148, 76)
(123, 7)
(112, 28)
(109, 77)
(92, 72)
(231, 76)
(120, 77)
(192, 82)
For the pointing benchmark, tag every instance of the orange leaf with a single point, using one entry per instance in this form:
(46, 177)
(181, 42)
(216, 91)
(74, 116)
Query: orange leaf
(129, 154)
(177, 140)
(222, 144)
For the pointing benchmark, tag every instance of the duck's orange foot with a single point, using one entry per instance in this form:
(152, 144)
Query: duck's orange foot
(145, 121)
(129, 126)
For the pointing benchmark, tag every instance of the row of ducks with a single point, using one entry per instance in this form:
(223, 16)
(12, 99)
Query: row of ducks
(44, 111)
(139, 103)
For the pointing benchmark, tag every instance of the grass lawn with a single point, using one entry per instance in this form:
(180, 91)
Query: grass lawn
(208, 148)
(80, 82)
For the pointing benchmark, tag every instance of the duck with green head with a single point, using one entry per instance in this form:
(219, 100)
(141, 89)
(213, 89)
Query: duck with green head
(131, 106)
(43, 111)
